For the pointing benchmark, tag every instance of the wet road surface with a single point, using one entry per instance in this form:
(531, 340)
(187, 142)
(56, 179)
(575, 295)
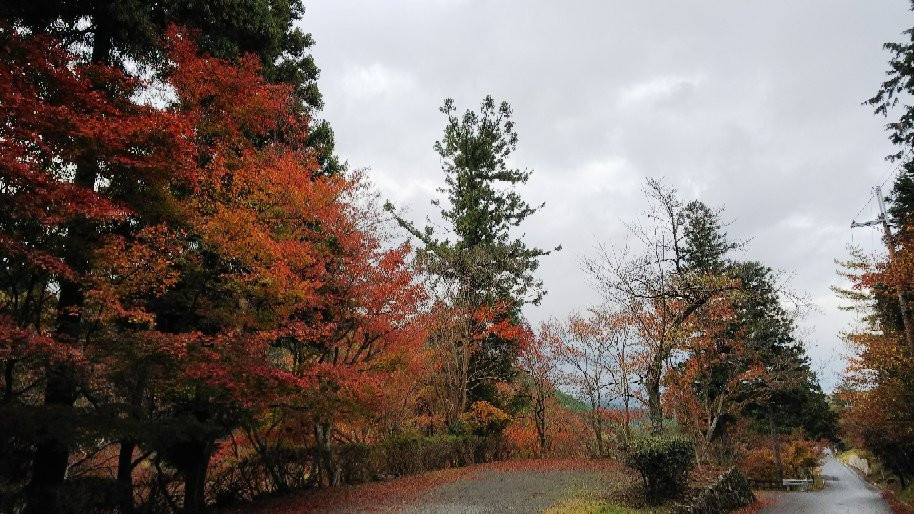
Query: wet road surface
(845, 492)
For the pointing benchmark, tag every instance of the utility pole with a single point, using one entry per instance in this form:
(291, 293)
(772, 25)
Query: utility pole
(890, 244)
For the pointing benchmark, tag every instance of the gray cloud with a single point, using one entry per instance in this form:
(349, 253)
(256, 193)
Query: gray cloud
(753, 106)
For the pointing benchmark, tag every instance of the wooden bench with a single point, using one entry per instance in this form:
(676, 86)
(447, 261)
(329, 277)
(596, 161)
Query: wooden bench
(799, 483)
(770, 485)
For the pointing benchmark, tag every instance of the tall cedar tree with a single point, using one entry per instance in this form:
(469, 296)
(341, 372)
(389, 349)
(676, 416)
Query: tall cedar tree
(490, 264)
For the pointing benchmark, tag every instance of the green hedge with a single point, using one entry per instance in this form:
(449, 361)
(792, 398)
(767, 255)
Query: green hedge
(410, 455)
(664, 463)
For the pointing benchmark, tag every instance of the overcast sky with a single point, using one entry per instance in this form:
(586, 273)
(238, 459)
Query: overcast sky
(749, 106)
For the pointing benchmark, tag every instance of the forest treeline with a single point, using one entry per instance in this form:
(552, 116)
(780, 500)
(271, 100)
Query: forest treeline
(200, 304)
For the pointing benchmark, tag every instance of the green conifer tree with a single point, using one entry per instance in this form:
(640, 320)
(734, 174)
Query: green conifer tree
(482, 252)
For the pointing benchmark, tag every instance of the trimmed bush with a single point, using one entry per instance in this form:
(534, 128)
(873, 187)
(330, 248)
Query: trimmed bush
(360, 463)
(664, 463)
(409, 455)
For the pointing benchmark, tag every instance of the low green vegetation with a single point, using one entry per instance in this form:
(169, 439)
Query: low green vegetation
(570, 402)
(594, 506)
(664, 463)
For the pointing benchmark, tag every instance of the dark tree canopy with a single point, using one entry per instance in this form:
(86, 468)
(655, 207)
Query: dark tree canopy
(893, 101)
(793, 391)
(764, 325)
(901, 199)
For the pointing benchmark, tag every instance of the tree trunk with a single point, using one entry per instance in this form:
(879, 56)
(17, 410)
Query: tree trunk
(326, 464)
(195, 477)
(627, 429)
(655, 410)
(52, 455)
(125, 475)
(540, 419)
(274, 468)
(596, 425)
(777, 445)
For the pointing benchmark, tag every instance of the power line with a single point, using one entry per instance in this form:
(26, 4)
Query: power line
(894, 171)
(883, 220)
(885, 177)
(864, 206)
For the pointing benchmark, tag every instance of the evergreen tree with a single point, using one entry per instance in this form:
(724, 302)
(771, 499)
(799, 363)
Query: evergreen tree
(483, 206)
(893, 101)
(898, 88)
(793, 397)
(763, 325)
(901, 201)
(490, 265)
(707, 245)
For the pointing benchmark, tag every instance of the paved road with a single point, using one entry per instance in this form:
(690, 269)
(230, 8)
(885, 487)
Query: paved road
(844, 492)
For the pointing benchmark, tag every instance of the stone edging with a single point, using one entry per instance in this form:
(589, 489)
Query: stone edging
(731, 491)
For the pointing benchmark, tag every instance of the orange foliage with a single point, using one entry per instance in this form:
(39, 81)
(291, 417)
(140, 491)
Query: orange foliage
(798, 458)
(705, 387)
(484, 418)
(879, 378)
(568, 434)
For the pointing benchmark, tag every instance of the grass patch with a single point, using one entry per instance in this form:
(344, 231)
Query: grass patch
(594, 506)
(621, 493)
(846, 455)
(906, 495)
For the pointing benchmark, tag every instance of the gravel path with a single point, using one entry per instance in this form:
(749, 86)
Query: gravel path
(516, 486)
(844, 492)
(506, 491)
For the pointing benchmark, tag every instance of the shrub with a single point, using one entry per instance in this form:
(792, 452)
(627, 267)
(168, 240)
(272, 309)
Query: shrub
(758, 464)
(664, 463)
(407, 455)
(90, 494)
(404, 455)
(360, 462)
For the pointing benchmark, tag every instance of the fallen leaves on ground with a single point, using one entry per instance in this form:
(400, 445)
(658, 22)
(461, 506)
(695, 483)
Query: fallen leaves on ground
(757, 506)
